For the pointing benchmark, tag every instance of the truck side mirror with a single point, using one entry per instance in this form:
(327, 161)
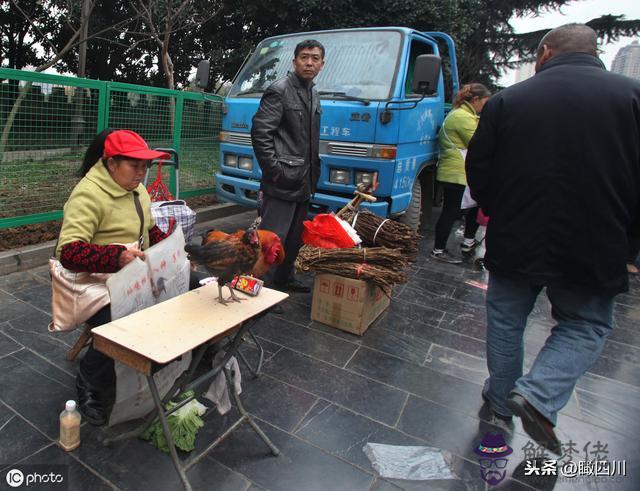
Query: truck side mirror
(426, 73)
(202, 75)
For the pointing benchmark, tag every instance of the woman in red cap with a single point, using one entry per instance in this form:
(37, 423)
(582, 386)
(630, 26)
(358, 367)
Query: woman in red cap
(109, 207)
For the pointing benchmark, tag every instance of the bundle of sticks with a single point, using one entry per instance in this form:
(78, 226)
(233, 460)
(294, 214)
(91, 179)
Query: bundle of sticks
(378, 231)
(380, 265)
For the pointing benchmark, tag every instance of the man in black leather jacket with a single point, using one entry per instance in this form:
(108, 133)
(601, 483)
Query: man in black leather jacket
(285, 135)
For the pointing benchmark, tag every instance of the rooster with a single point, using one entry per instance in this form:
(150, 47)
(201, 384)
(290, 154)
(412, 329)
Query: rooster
(271, 253)
(227, 255)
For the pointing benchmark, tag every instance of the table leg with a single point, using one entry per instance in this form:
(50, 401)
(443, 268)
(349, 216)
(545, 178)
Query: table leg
(167, 433)
(254, 371)
(260, 351)
(245, 415)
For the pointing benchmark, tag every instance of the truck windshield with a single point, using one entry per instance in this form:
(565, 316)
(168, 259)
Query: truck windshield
(357, 64)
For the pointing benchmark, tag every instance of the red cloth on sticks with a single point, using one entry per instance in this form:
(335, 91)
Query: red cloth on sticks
(325, 231)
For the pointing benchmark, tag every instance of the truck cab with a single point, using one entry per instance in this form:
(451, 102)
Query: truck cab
(375, 125)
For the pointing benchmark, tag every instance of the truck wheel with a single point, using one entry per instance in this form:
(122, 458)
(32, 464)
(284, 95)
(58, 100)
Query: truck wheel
(414, 211)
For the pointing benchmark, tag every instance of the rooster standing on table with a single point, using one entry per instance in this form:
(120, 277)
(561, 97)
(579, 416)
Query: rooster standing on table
(245, 251)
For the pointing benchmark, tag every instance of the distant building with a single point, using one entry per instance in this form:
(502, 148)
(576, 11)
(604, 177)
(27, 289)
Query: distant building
(525, 71)
(627, 61)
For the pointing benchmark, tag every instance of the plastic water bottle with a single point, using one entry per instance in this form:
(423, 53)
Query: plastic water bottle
(70, 427)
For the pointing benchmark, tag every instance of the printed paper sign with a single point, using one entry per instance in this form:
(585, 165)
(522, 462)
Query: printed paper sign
(140, 284)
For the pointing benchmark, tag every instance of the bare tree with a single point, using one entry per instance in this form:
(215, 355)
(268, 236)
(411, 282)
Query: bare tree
(162, 18)
(77, 24)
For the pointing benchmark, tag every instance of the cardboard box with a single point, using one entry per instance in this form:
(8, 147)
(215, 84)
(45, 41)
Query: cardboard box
(350, 305)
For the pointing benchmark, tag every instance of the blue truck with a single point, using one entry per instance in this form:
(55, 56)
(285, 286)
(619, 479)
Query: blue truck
(383, 97)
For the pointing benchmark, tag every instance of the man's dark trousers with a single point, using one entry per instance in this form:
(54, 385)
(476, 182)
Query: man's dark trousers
(284, 218)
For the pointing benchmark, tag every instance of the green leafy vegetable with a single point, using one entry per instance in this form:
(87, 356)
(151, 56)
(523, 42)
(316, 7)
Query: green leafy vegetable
(183, 425)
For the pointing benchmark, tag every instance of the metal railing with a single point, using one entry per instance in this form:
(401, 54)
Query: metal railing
(47, 122)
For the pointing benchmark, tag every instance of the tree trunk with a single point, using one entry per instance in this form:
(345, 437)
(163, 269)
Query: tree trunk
(12, 115)
(167, 67)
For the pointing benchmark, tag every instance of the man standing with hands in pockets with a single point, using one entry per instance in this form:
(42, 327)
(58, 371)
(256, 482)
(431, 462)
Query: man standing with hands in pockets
(286, 135)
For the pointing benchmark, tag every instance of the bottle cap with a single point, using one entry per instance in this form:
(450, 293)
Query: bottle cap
(70, 406)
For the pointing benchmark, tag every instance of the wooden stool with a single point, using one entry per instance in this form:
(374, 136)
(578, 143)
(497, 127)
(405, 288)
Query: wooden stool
(82, 342)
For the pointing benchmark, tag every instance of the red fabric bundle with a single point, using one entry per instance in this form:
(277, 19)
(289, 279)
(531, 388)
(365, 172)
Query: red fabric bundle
(325, 231)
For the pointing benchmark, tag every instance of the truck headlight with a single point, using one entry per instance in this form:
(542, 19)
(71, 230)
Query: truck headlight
(365, 177)
(245, 163)
(339, 176)
(230, 160)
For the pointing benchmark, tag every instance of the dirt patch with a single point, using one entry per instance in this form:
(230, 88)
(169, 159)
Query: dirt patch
(11, 238)
(37, 233)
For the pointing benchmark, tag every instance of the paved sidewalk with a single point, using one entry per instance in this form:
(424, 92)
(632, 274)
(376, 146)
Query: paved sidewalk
(414, 378)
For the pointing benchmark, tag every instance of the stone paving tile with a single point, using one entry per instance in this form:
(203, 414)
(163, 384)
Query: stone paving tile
(46, 368)
(37, 296)
(16, 282)
(297, 338)
(280, 404)
(438, 387)
(8, 345)
(43, 344)
(37, 397)
(619, 416)
(344, 433)
(461, 365)
(382, 337)
(18, 439)
(378, 401)
(299, 466)
(623, 372)
(295, 312)
(626, 335)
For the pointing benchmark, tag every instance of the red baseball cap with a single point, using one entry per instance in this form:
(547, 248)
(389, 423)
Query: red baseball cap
(127, 143)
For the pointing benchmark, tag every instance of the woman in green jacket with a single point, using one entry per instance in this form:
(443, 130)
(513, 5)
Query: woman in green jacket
(457, 129)
(109, 207)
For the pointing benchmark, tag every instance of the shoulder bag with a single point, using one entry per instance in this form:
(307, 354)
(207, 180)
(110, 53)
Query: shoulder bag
(76, 296)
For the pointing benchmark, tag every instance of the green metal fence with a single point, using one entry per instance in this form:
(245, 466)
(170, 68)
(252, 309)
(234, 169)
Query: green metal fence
(47, 121)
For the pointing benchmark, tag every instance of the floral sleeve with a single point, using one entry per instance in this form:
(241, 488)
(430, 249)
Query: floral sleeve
(81, 256)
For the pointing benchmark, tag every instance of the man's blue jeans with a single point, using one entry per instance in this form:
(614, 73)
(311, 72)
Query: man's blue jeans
(583, 323)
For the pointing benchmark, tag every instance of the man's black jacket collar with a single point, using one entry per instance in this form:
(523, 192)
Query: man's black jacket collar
(298, 83)
(575, 59)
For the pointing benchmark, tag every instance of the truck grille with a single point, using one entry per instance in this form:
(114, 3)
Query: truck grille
(237, 138)
(349, 150)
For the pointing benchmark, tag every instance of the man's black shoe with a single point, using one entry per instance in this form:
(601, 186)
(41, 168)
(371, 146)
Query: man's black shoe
(535, 424)
(503, 422)
(293, 286)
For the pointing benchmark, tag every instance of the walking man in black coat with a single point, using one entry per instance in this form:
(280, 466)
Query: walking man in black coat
(286, 135)
(555, 163)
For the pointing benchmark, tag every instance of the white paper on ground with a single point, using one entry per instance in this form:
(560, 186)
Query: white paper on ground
(408, 462)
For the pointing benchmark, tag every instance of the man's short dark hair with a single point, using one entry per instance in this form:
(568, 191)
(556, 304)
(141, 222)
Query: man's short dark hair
(571, 38)
(308, 44)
